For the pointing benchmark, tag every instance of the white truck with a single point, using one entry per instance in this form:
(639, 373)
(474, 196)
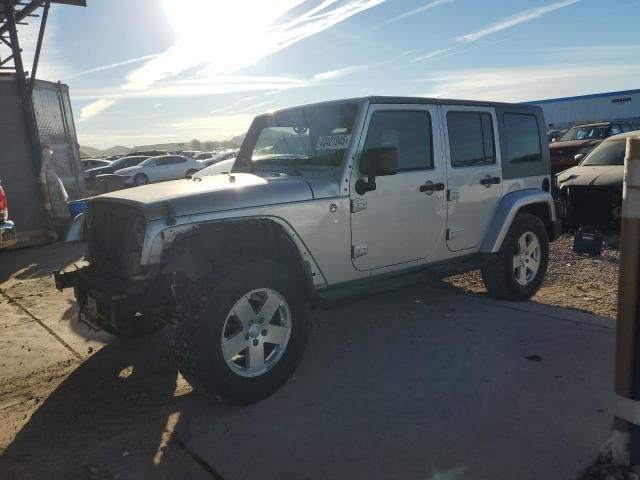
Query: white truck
(323, 201)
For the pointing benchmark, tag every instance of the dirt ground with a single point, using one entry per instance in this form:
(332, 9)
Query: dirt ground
(573, 281)
(55, 372)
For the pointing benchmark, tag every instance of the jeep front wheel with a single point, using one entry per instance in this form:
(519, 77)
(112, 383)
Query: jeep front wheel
(242, 335)
(518, 269)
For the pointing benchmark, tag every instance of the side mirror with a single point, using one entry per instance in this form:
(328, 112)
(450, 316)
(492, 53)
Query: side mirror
(376, 162)
(579, 157)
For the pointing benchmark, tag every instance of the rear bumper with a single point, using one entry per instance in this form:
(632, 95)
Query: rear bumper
(8, 236)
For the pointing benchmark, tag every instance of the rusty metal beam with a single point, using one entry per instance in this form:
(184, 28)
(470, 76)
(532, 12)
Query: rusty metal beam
(36, 57)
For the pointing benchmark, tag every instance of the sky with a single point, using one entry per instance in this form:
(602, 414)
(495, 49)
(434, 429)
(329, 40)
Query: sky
(154, 71)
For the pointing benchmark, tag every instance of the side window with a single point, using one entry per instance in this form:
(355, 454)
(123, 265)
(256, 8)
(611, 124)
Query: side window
(408, 131)
(471, 139)
(615, 129)
(523, 138)
(170, 161)
(626, 127)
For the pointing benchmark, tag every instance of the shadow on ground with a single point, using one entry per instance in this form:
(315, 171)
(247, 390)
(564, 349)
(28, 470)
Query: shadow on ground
(421, 383)
(37, 262)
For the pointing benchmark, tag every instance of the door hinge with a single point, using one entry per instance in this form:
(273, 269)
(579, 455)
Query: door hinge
(452, 233)
(359, 250)
(453, 195)
(358, 204)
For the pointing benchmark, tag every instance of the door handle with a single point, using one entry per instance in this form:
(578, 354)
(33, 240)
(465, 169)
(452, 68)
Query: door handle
(431, 187)
(489, 180)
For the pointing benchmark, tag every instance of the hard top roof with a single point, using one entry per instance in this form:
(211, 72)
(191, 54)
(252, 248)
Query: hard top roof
(624, 136)
(377, 99)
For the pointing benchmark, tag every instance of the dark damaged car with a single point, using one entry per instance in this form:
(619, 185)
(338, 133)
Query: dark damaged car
(576, 143)
(591, 193)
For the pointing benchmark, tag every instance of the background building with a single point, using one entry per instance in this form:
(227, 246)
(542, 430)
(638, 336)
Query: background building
(564, 112)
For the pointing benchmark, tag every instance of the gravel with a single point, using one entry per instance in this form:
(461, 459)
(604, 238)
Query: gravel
(573, 281)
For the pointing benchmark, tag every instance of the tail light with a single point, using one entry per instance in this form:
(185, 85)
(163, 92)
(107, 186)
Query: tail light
(4, 211)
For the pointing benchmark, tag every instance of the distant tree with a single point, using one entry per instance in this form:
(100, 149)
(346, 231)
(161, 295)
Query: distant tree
(195, 144)
(208, 145)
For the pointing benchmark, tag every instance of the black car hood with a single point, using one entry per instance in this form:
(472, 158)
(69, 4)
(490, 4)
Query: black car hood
(600, 176)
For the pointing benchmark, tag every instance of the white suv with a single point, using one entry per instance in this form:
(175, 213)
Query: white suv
(160, 169)
(323, 201)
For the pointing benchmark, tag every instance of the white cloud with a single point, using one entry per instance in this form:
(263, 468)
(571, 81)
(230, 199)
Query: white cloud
(435, 53)
(261, 35)
(95, 108)
(532, 82)
(517, 19)
(340, 72)
(114, 65)
(415, 11)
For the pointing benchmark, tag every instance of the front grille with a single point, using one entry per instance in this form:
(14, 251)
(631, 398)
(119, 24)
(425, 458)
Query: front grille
(110, 235)
(593, 205)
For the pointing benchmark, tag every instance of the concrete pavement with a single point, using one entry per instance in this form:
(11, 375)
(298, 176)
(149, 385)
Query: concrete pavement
(427, 382)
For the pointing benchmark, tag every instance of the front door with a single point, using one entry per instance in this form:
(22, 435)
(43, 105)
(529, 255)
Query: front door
(403, 218)
(474, 173)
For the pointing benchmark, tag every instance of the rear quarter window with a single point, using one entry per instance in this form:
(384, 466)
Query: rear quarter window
(522, 138)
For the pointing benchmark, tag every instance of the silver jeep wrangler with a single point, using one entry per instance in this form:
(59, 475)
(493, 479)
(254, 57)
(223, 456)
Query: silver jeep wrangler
(323, 201)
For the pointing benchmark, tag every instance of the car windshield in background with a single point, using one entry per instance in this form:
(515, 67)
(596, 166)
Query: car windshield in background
(585, 133)
(315, 136)
(607, 153)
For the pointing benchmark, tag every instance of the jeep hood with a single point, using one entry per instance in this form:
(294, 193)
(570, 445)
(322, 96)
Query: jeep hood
(600, 176)
(210, 194)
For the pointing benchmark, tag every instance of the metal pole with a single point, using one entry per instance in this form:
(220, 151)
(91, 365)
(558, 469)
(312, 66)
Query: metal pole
(36, 57)
(22, 83)
(623, 445)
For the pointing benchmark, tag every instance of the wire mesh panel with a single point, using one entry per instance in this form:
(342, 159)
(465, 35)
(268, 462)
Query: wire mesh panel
(56, 129)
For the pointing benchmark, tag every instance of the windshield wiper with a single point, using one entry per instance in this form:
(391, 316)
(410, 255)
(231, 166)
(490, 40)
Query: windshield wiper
(285, 164)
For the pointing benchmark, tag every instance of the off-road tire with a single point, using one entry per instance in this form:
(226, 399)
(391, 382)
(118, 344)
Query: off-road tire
(201, 311)
(140, 179)
(498, 275)
(136, 327)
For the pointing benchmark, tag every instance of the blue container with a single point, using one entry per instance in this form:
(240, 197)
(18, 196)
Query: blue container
(76, 207)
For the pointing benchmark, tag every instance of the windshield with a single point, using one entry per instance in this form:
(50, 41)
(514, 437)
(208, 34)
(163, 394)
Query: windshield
(585, 133)
(224, 166)
(311, 136)
(607, 153)
(149, 161)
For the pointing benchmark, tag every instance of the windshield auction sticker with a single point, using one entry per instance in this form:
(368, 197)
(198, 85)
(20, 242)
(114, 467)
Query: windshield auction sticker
(333, 142)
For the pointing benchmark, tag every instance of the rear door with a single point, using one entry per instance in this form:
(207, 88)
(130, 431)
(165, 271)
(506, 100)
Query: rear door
(170, 167)
(474, 173)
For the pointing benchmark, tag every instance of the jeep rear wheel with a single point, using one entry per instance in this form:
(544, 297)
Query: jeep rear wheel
(518, 269)
(241, 334)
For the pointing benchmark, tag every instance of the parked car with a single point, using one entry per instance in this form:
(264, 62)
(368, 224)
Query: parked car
(235, 261)
(8, 237)
(554, 135)
(591, 193)
(578, 141)
(219, 157)
(149, 153)
(160, 169)
(119, 164)
(94, 163)
(204, 155)
(223, 166)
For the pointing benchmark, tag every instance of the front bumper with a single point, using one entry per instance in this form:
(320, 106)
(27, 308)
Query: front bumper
(8, 236)
(102, 298)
